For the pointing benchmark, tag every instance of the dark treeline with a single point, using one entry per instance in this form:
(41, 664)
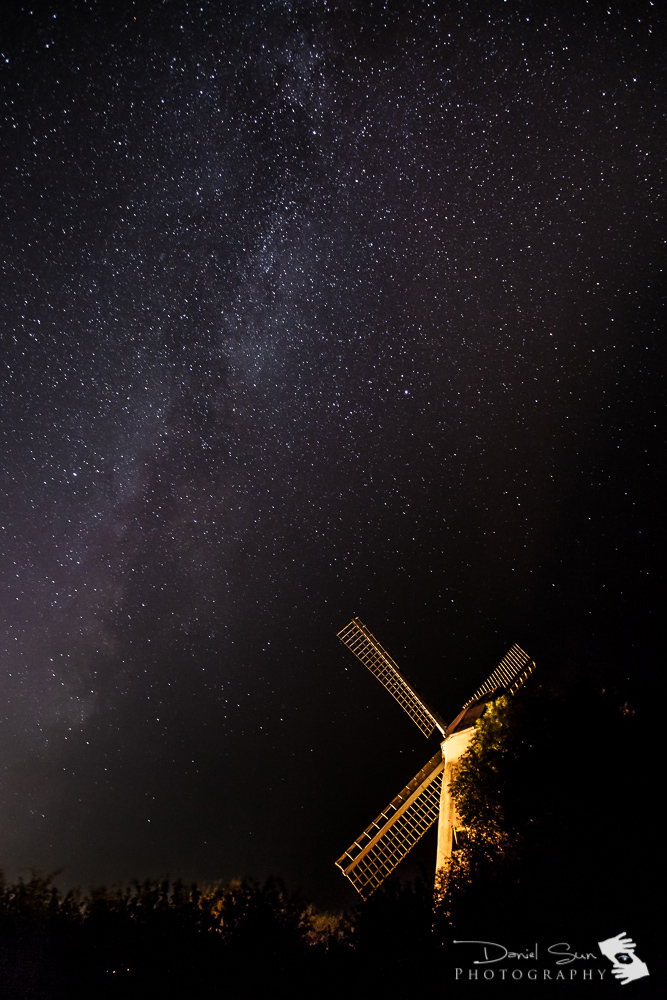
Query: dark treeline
(162, 938)
(558, 795)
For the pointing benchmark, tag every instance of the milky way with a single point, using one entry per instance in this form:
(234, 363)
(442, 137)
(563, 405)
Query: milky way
(311, 310)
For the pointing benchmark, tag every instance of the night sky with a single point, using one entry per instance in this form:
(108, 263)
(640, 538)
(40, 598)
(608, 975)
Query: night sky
(313, 310)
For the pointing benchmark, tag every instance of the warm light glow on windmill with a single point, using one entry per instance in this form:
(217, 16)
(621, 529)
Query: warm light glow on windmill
(393, 834)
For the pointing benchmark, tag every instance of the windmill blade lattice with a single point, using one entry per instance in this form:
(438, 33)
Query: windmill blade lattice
(365, 646)
(389, 838)
(509, 675)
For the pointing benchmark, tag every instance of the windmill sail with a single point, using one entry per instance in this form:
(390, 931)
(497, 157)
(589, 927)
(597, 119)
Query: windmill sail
(365, 646)
(509, 675)
(384, 844)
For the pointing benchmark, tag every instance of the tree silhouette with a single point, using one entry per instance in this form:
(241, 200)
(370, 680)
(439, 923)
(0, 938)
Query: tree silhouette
(549, 789)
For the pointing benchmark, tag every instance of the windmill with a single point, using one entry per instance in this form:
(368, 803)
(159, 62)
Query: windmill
(389, 838)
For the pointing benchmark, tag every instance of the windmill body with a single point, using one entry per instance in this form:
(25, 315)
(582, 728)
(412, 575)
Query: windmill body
(392, 834)
(450, 827)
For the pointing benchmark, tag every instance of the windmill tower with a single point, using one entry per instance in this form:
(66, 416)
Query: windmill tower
(389, 838)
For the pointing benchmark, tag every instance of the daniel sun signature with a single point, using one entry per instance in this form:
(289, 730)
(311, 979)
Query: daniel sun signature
(494, 952)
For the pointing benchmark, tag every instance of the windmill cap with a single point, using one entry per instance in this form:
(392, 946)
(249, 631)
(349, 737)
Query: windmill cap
(468, 716)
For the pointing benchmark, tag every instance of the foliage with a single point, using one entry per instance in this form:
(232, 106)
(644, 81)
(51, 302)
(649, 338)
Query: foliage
(481, 786)
(158, 936)
(481, 774)
(537, 789)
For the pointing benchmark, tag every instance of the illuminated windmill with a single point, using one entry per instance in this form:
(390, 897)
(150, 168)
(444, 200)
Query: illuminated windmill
(389, 838)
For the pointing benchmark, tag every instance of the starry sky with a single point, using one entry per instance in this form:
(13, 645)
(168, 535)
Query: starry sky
(312, 309)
